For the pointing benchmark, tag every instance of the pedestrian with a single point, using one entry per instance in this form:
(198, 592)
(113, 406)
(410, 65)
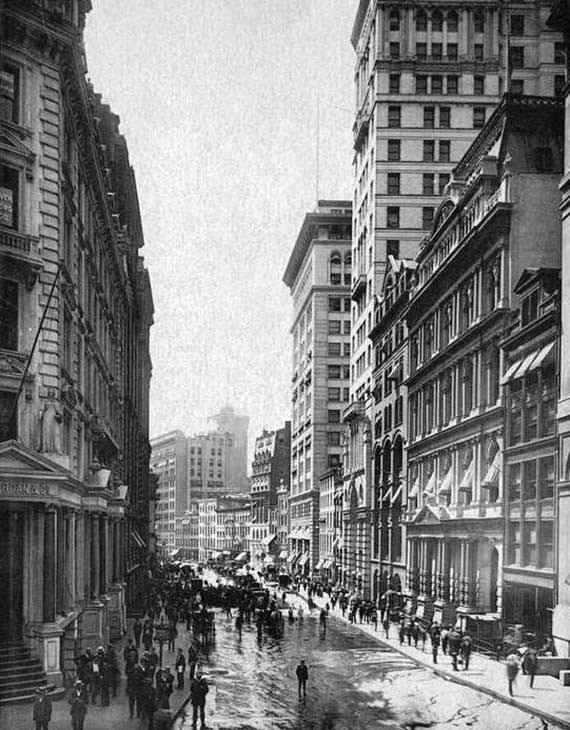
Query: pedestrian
(530, 665)
(302, 673)
(402, 631)
(172, 634)
(454, 645)
(137, 631)
(180, 666)
(135, 677)
(198, 691)
(129, 650)
(466, 647)
(78, 707)
(435, 636)
(512, 670)
(444, 636)
(300, 614)
(374, 617)
(192, 658)
(323, 620)
(422, 632)
(148, 700)
(42, 709)
(386, 626)
(164, 685)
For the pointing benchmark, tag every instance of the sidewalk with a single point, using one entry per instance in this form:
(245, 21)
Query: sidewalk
(116, 715)
(548, 699)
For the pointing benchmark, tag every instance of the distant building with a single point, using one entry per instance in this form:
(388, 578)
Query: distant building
(228, 422)
(318, 276)
(223, 526)
(270, 468)
(209, 458)
(169, 463)
(327, 566)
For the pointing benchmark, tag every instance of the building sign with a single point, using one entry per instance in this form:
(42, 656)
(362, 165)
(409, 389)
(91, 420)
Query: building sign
(6, 207)
(23, 489)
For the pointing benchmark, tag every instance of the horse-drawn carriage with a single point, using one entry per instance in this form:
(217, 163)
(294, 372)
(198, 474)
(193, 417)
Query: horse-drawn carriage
(273, 621)
(204, 625)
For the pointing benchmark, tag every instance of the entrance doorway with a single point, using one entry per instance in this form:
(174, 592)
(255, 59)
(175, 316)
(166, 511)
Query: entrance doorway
(11, 574)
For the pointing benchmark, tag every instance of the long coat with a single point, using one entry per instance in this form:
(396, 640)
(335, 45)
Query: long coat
(42, 709)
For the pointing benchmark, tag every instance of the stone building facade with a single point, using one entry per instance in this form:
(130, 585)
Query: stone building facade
(75, 366)
(318, 276)
(169, 461)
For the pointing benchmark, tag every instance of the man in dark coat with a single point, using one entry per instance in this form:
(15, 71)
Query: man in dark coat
(149, 703)
(42, 709)
(192, 658)
(466, 646)
(78, 706)
(164, 686)
(137, 631)
(198, 691)
(454, 647)
(135, 676)
(435, 636)
(530, 665)
(302, 673)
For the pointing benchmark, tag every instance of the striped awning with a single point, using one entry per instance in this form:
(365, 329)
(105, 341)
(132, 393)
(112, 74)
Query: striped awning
(283, 554)
(447, 482)
(135, 535)
(242, 558)
(303, 559)
(467, 481)
(320, 564)
(492, 475)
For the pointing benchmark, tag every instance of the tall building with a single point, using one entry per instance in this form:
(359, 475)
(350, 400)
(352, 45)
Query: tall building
(318, 276)
(560, 20)
(75, 312)
(270, 469)
(229, 422)
(427, 78)
(472, 542)
(224, 524)
(209, 465)
(169, 461)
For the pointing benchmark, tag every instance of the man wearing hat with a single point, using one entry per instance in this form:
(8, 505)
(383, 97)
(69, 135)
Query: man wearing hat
(302, 677)
(42, 709)
(78, 705)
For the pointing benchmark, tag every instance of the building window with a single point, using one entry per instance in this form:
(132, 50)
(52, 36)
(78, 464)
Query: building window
(335, 270)
(429, 149)
(452, 51)
(517, 86)
(517, 25)
(421, 21)
(444, 151)
(346, 327)
(394, 114)
(437, 51)
(428, 183)
(427, 217)
(8, 416)
(393, 217)
(517, 56)
(8, 315)
(478, 22)
(421, 51)
(9, 92)
(560, 53)
(334, 372)
(393, 183)
(333, 438)
(421, 84)
(333, 416)
(478, 49)
(346, 350)
(393, 248)
(479, 85)
(394, 20)
(334, 349)
(333, 461)
(394, 83)
(436, 21)
(452, 22)
(452, 85)
(393, 150)
(532, 406)
(429, 116)
(437, 84)
(334, 394)
(334, 326)
(559, 83)
(395, 49)
(478, 117)
(443, 181)
(8, 197)
(444, 117)
(529, 308)
(335, 304)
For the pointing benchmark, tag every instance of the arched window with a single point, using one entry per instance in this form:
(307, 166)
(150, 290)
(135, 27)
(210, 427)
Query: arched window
(446, 398)
(389, 292)
(394, 20)
(421, 21)
(467, 386)
(347, 269)
(478, 22)
(492, 374)
(336, 269)
(452, 22)
(436, 21)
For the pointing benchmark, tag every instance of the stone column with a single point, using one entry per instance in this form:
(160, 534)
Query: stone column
(50, 546)
(88, 589)
(95, 557)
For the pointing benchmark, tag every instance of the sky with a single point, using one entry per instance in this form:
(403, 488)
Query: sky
(218, 102)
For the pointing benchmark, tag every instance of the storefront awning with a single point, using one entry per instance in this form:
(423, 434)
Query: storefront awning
(492, 475)
(509, 375)
(467, 481)
(135, 535)
(268, 540)
(397, 494)
(294, 557)
(215, 554)
(283, 555)
(268, 560)
(175, 553)
(415, 490)
(242, 558)
(543, 356)
(303, 559)
(319, 565)
(430, 486)
(327, 564)
(447, 482)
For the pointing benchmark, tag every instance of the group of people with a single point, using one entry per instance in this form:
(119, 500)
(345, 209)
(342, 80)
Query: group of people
(458, 644)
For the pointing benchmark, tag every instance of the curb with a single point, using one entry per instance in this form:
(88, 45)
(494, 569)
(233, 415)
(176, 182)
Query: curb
(552, 719)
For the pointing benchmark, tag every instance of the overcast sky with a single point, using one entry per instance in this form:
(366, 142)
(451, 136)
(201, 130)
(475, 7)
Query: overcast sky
(218, 102)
